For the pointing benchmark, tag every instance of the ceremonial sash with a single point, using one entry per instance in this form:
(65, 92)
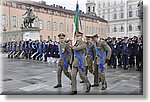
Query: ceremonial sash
(40, 48)
(101, 65)
(64, 57)
(9, 48)
(89, 52)
(29, 46)
(80, 60)
(14, 48)
(25, 48)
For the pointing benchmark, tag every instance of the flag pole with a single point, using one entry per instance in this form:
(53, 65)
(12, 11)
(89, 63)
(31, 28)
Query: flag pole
(75, 23)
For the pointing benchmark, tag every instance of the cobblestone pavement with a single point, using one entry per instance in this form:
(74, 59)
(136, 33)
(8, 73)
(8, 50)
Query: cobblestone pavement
(35, 77)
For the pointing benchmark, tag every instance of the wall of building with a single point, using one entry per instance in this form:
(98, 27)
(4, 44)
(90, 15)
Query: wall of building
(118, 13)
(50, 24)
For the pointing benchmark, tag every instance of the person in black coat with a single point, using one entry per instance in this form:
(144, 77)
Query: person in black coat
(125, 53)
(113, 58)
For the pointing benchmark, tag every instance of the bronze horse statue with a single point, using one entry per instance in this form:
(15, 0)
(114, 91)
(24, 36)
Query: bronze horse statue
(28, 22)
(29, 19)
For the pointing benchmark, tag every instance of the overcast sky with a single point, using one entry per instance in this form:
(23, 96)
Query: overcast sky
(69, 4)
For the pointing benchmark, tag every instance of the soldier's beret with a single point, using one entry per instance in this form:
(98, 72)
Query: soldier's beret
(61, 35)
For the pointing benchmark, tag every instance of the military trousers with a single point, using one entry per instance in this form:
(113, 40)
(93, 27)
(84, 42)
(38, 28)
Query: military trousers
(99, 75)
(88, 69)
(59, 74)
(82, 76)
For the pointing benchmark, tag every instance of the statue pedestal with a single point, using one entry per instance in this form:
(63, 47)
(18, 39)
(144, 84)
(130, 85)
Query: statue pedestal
(23, 34)
(31, 33)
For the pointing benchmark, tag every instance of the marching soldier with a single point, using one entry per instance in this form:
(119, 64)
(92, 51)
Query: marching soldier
(79, 62)
(95, 72)
(64, 60)
(89, 54)
(25, 49)
(119, 52)
(10, 49)
(34, 49)
(102, 56)
(30, 48)
(17, 50)
(45, 50)
(113, 58)
(139, 55)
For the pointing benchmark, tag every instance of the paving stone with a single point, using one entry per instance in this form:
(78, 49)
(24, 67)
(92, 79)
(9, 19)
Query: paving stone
(35, 77)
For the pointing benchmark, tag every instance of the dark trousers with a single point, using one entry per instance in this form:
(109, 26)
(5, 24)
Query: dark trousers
(119, 59)
(131, 60)
(125, 60)
(139, 61)
(45, 56)
(113, 60)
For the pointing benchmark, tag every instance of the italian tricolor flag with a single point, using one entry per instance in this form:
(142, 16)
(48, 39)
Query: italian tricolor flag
(77, 22)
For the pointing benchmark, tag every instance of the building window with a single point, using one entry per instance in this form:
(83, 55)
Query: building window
(114, 3)
(139, 27)
(41, 24)
(102, 30)
(93, 9)
(93, 29)
(108, 4)
(139, 13)
(88, 9)
(14, 21)
(48, 25)
(121, 15)
(67, 27)
(121, 1)
(115, 29)
(99, 5)
(55, 26)
(103, 4)
(14, 5)
(90, 30)
(121, 29)
(99, 31)
(87, 29)
(130, 27)
(115, 16)
(4, 20)
(130, 13)
(61, 27)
